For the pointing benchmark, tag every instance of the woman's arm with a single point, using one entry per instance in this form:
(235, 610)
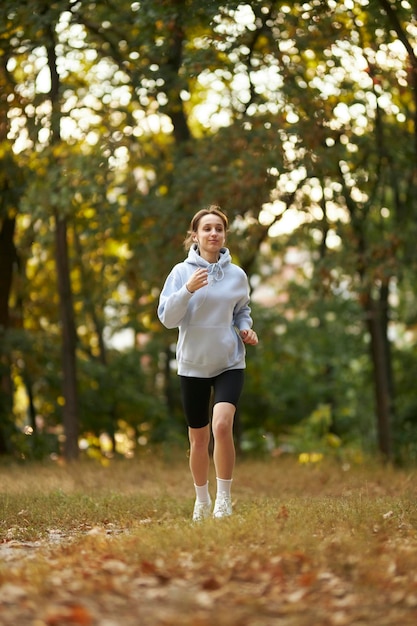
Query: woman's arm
(173, 301)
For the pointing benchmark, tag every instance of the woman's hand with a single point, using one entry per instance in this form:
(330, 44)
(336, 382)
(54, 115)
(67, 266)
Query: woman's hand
(249, 336)
(197, 280)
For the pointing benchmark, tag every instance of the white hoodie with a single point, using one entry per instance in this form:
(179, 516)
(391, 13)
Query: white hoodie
(209, 320)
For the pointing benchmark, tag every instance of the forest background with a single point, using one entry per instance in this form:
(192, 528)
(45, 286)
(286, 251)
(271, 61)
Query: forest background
(118, 120)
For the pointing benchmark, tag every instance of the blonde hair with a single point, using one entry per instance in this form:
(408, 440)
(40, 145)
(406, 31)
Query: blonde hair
(213, 209)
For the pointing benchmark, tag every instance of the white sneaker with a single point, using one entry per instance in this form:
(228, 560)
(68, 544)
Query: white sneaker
(222, 506)
(202, 510)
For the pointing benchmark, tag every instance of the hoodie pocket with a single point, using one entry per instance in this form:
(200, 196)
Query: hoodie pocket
(209, 346)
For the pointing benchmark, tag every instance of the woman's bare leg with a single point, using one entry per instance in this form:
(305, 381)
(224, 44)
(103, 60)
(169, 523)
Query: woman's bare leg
(199, 454)
(224, 454)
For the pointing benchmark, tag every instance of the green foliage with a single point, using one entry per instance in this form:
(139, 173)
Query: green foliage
(271, 110)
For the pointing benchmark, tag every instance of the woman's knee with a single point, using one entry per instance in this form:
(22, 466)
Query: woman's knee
(199, 437)
(223, 416)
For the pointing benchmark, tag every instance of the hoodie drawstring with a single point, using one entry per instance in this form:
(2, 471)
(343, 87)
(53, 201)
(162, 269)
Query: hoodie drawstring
(215, 270)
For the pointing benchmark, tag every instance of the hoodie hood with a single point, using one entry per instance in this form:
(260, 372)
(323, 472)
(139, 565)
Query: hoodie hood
(215, 270)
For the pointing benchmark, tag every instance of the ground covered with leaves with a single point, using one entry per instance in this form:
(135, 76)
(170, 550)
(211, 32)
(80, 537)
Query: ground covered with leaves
(328, 545)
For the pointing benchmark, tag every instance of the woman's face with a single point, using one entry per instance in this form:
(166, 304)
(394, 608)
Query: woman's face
(210, 236)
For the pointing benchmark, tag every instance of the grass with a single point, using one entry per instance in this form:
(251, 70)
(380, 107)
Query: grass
(306, 545)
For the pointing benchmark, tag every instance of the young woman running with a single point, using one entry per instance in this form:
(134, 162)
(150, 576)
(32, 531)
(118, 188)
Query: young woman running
(207, 298)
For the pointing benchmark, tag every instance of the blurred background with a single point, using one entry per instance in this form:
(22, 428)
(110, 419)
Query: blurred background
(118, 121)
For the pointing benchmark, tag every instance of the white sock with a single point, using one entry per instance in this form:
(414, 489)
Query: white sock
(202, 493)
(224, 486)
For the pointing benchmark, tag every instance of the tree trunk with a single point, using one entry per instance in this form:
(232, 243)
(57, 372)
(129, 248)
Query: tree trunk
(69, 369)
(70, 409)
(381, 366)
(7, 260)
(376, 317)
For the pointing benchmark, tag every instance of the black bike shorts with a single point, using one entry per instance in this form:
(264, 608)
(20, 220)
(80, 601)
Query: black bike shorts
(196, 394)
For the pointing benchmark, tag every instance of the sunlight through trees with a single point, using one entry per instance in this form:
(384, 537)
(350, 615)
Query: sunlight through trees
(120, 120)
